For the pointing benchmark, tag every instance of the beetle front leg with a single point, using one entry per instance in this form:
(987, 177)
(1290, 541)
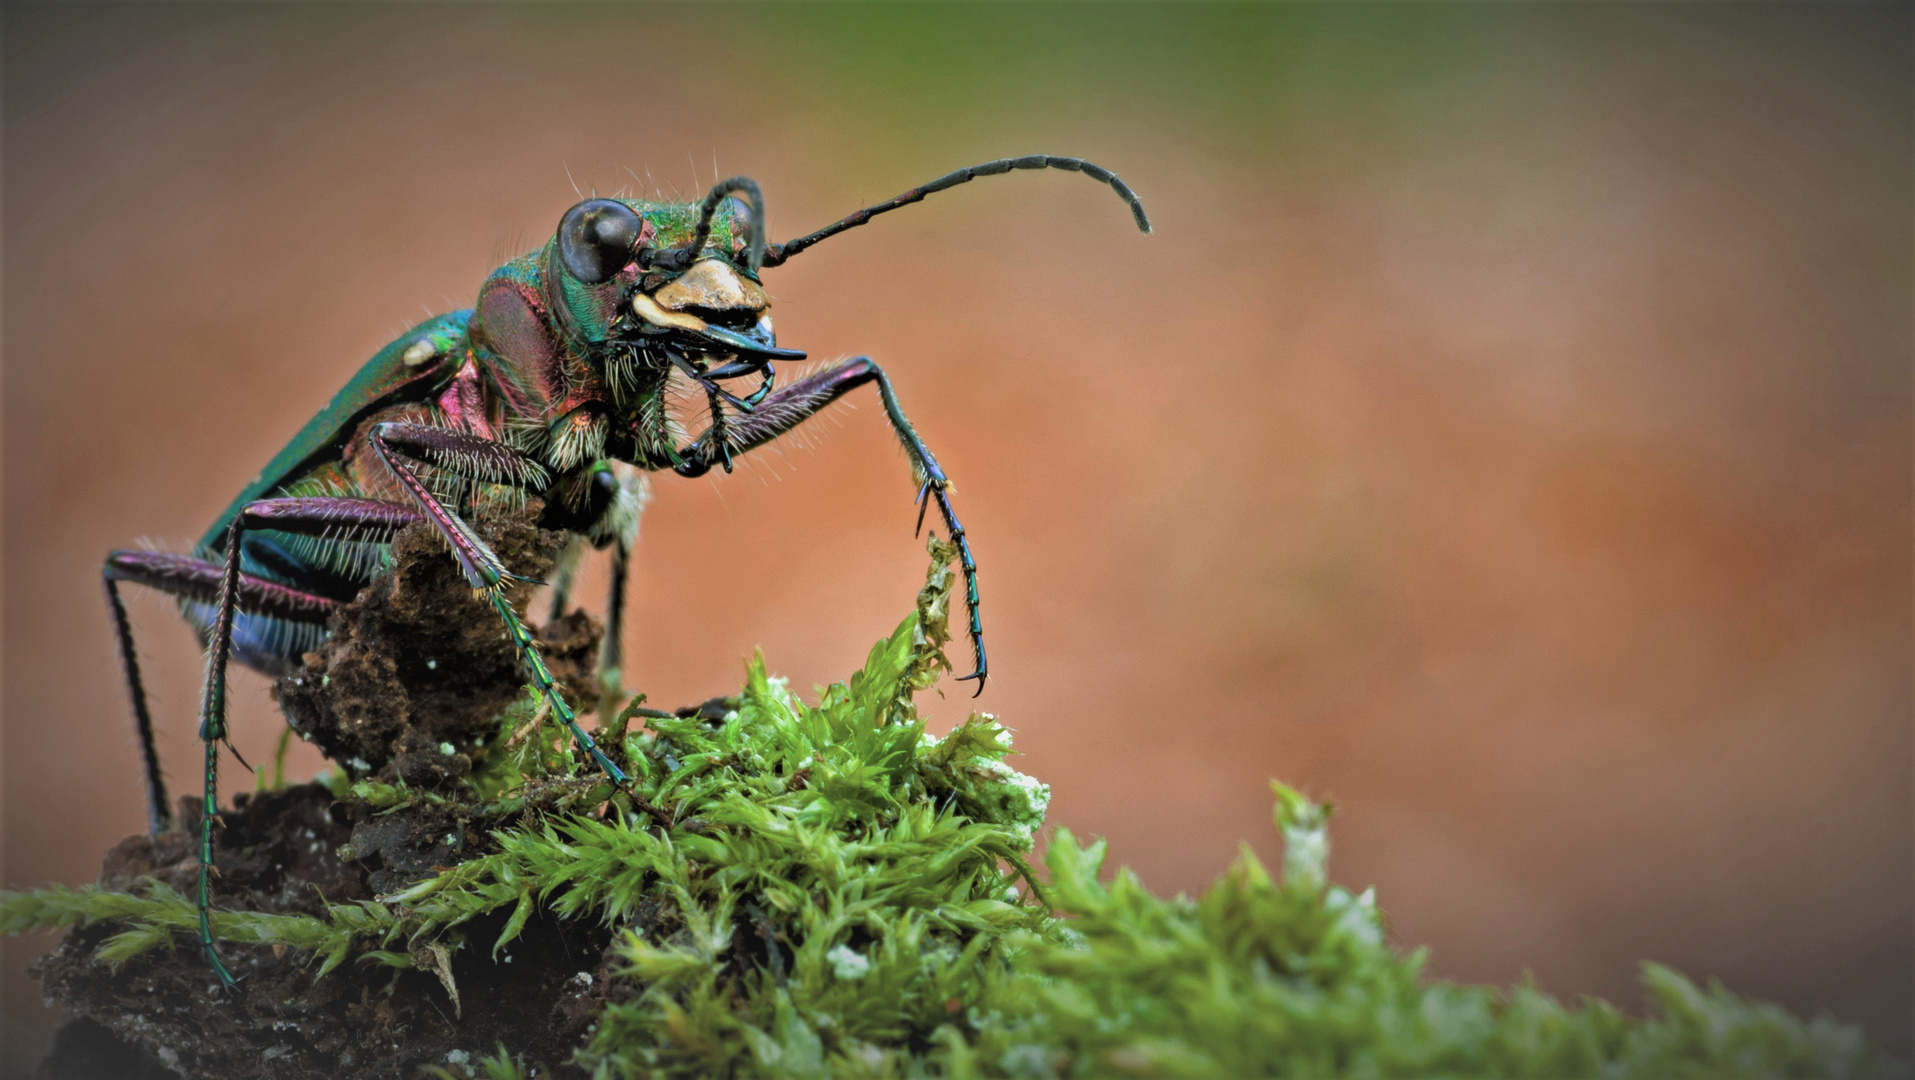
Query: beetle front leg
(787, 408)
(478, 458)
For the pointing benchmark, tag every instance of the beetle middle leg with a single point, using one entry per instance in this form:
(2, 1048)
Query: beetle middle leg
(606, 514)
(477, 458)
(564, 573)
(785, 409)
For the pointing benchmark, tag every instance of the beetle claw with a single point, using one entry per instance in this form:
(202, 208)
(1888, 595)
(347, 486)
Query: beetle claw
(234, 750)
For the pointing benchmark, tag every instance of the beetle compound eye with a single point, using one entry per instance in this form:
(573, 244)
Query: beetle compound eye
(596, 238)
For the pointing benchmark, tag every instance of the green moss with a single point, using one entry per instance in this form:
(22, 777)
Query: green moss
(826, 890)
(1293, 978)
(503, 1065)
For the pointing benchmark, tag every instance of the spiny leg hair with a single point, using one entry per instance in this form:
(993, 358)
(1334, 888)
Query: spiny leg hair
(297, 516)
(458, 451)
(192, 579)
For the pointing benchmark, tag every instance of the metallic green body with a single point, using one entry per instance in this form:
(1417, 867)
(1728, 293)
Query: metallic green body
(385, 380)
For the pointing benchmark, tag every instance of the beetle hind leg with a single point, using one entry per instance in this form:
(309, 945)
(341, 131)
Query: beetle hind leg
(198, 580)
(159, 814)
(194, 581)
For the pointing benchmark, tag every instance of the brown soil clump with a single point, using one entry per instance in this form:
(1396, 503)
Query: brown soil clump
(161, 1014)
(419, 662)
(409, 686)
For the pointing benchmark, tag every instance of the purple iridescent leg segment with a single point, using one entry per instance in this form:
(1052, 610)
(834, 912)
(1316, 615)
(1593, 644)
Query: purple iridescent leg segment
(466, 455)
(192, 579)
(361, 519)
(481, 459)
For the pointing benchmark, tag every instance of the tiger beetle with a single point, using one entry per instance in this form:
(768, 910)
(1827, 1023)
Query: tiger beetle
(556, 386)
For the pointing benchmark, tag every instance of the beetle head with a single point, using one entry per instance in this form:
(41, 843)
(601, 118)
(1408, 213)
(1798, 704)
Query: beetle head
(671, 280)
(682, 279)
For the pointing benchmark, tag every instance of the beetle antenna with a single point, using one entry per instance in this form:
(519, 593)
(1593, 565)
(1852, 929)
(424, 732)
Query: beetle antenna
(778, 253)
(680, 258)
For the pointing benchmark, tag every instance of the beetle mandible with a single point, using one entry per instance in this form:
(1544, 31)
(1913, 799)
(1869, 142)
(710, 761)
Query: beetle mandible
(558, 374)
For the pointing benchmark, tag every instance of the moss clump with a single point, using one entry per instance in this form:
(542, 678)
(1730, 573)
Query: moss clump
(1292, 977)
(826, 890)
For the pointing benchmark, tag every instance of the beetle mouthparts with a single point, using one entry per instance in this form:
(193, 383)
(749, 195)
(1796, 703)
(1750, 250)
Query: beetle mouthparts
(647, 308)
(717, 337)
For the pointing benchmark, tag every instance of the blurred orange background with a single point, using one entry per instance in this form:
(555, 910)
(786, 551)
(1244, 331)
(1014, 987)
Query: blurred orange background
(1506, 433)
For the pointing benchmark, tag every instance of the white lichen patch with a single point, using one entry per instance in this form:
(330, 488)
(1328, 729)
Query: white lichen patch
(848, 963)
(780, 692)
(1025, 797)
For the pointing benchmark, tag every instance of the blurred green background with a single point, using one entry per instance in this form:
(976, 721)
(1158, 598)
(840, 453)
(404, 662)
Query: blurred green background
(1506, 433)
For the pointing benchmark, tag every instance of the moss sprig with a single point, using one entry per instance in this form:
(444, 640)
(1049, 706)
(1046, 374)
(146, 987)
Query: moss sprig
(827, 890)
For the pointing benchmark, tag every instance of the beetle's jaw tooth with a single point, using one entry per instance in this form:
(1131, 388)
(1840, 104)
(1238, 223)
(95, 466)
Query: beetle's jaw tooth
(715, 340)
(648, 310)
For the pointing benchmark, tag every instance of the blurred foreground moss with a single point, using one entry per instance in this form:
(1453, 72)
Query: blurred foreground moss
(826, 890)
